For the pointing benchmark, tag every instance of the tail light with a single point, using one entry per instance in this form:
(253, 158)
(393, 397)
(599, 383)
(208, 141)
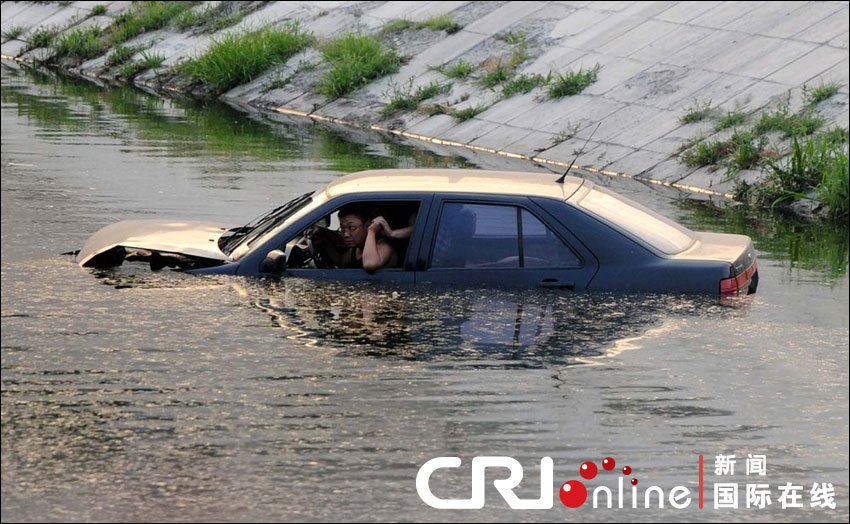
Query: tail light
(741, 283)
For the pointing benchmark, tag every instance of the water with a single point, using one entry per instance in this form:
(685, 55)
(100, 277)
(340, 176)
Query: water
(132, 395)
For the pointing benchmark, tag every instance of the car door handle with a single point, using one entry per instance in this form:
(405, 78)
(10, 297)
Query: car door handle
(554, 282)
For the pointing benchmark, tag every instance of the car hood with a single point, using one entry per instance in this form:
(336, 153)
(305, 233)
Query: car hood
(192, 238)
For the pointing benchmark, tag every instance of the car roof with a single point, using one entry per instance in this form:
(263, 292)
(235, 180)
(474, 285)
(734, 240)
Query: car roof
(455, 181)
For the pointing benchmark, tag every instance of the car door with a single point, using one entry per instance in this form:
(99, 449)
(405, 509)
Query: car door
(500, 240)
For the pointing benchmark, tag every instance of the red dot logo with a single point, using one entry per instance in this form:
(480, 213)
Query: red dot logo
(608, 463)
(573, 493)
(634, 482)
(627, 470)
(588, 470)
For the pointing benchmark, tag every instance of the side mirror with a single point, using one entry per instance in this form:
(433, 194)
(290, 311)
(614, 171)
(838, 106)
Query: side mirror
(275, 262)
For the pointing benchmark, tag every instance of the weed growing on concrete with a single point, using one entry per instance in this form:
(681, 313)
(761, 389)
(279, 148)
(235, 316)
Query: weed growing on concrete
(746, 149)
(565, 134)
(787, 123)
(731, 119)
(144, 16)
(121, 54)
(355, 61)
(573, 82)
(514, 37)
(459, 69)
(437, 23)
(408, 98)
(705, 153)
(238, 58)
(281, 82)
(213, 18)
(499, 74)
(469, 112)
(696, 112)
(43, 37)
(524, 84)
(79, 43)
(148, 61)
(816, 95)
(815, 169)
(13, 32)
(98, 10)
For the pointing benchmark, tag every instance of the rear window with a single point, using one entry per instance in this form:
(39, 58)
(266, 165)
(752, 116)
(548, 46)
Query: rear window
(644, 224)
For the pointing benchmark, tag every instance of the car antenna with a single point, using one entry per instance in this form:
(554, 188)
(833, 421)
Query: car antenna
(580, 151)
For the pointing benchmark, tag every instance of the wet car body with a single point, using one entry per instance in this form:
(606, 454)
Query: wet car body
(605, 242)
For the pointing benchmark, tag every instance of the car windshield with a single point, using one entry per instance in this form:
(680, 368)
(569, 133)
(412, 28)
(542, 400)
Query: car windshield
(642, 223)
(262, 224)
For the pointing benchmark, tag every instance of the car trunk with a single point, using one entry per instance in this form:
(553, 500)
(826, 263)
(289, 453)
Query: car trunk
(737, 250)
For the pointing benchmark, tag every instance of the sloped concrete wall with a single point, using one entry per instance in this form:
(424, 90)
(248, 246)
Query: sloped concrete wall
(656, 58)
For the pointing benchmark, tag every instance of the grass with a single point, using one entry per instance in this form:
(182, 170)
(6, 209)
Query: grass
(818, 94)
(815, 169)
(514, 37)
(706, 153)
(469, 112)
(408, 98)
(524, 84)
(98, 10)
(730, 119)
(144, 16)
(459, 69)
(696, 112)
(13, 32)
(121, 54)
(746, 151)
(149, 61)
(788, 124)
(565, 134)
(499, 74)
(437, 23)
(79, 43)
(572, 82)
(43, 37)
(238, 58)
(355, 61)
(213, 17)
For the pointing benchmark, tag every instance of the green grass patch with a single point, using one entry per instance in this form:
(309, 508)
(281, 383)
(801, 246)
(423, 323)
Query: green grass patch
(238, 58)
(514, 37)
(816, 95)
(730, 119)
(469, 112)
(121, 54)
(706, 153)
(818, 166)
(459, 69)
(837, 135)
(499, 74)
(213, 18)
(788, 124)
(437, 23)
(746, 151)
(355, 61)
(43, 37)
(522, 84)
(148, 61)
(13, 32)
(696, 112)
(79, 43)
(408, 98)
(572, 82)
(143, 17)
(98, 10)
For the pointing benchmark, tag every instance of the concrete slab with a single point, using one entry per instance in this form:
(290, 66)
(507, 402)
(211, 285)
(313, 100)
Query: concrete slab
(613, 73)
(500, 137)
(705, 178)
(531, 144)
(802, 19)
(642, 35)
(466, 132)
(832, 26)
(509, 109)
(579, 114)
(724, 14)
(555, 59)
(811, 65)
(504, 17)
(570, 150)
(668, 170)
(611, 27)
(774, 58)
(31, 16)
(761, 21)
(637, 162)
(718, 92)
(435, 126)
(754, 97)
(648, 9)
(641, 132)
(839, 73)
(577, 23)
(618, 122)
(13, 47)
(706, 49)
(65, 17)
(432, 9)
(674, 42)
(684, 12)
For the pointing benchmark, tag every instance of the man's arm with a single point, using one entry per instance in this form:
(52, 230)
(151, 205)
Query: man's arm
(376, 254)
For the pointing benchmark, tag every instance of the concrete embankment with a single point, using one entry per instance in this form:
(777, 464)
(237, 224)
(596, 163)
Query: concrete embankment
(656, 63)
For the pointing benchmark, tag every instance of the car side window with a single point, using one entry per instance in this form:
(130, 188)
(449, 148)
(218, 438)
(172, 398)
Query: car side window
(543, 248)
(476, 236)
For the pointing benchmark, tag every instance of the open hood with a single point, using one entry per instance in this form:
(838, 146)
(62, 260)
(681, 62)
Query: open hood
(178, 237)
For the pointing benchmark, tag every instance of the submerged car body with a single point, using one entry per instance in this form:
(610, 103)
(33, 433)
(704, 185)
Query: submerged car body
(469, 227)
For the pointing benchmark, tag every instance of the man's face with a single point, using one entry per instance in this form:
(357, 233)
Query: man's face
(353, 230)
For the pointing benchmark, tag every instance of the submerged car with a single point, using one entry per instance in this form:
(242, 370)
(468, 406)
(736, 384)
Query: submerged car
(462, 227)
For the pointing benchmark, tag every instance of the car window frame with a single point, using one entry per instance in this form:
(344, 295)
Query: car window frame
(520, 203)
(258, 253)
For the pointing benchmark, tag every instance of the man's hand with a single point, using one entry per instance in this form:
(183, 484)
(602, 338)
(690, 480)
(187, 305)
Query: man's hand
(380, 225)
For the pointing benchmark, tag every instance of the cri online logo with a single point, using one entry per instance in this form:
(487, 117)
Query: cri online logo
(572, 493)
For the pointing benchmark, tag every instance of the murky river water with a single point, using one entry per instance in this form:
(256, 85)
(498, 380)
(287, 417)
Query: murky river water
(131, 395)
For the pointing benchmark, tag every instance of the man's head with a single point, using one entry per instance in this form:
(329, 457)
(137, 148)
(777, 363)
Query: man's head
(353, 225)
